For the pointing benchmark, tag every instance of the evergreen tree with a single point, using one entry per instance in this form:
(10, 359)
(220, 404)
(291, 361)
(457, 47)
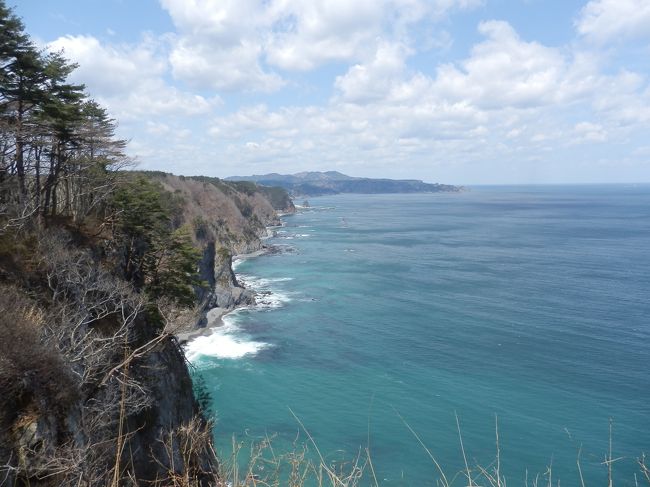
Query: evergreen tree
(155, 257)
(22, 75)
(58, 151)
(174, 273)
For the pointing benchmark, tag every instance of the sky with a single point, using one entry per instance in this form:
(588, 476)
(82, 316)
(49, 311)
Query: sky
(451, 91)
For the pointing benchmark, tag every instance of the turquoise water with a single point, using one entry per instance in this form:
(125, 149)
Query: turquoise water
(528, 303)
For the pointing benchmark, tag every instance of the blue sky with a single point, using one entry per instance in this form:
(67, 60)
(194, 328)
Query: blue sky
(456, 91)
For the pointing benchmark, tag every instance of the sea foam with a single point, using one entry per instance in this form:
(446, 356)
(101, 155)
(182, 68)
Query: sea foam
(230, 341)
(225, 342)
(267, 297)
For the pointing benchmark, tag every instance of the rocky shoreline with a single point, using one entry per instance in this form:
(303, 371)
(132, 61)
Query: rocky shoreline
(183, 337)
(214, 316)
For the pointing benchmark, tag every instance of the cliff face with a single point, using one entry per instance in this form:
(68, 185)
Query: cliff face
(226, 219)
(63, 445)
(232, 215)
(160, 432)
(223, 291)
(91, 392)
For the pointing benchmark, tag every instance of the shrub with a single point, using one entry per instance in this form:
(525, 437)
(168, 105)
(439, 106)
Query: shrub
(31, 374)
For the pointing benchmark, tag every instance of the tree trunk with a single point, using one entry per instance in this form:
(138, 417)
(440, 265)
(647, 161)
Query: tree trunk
(20, 148)
(37, 183)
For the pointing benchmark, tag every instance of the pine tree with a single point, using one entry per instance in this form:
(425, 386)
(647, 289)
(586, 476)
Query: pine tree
(22, 74)
(58, 151)
(174, 272)
(155, 257)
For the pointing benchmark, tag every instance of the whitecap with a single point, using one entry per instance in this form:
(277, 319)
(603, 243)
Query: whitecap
(261, 282)
(271, 300)
(225, 342)
(267, 296)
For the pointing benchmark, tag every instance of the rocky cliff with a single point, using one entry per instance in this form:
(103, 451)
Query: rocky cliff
(226, 219)
(92, 390)
(92, 393)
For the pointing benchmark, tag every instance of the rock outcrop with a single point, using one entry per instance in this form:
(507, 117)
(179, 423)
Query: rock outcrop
(227, 292)
(227, 219)
(92, 392)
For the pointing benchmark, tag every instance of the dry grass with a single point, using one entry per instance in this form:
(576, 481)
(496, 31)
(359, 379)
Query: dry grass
(293, 468)
(305, 466)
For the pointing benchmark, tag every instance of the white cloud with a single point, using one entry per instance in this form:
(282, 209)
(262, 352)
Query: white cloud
(375, 79)
(129, 79)
(109, 70)
(234, 68)
(614, 20)
(508, 98)
(502, 71)
(155, 97)
(308, 33)
(590, 132)
(223, 20)
(219, 44)
(624, 99)
(157, 128)
(506, 71)
(233, 45)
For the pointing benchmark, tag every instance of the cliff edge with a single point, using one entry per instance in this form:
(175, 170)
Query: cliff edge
(225, 219)
(94, 389)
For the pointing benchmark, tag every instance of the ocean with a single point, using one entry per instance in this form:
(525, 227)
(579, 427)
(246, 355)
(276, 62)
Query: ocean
(522, 310)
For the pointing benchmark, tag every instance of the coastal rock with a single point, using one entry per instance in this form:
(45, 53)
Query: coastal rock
(172, 407)
(226, 219)
(228, 292)
(60, 419)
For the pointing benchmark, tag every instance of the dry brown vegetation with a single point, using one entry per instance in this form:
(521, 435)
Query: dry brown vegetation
(305, 466)
(260, 463)
(80, 399)
(241, 217)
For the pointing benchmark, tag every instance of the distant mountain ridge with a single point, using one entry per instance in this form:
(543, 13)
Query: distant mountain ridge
(316, 183)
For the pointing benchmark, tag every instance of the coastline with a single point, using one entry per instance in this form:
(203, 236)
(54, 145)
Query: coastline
(317, 351)
(215, 316)
(215, 320)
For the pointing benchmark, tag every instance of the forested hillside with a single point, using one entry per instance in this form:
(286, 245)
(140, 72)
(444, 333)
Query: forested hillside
(98, 267)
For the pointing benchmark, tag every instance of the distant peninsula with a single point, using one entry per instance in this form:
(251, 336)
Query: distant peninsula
(316, 183)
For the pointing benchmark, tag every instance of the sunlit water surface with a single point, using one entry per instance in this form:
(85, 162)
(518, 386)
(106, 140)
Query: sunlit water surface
(529, 304)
